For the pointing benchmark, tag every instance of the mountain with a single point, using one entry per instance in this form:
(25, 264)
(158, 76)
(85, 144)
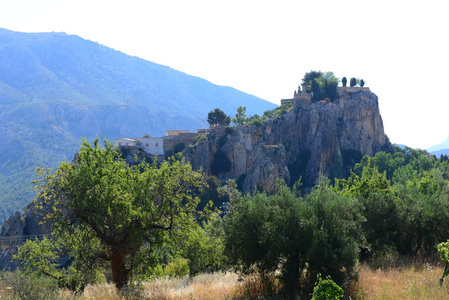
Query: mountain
(57, 88)
(443, 146)
(438, 153)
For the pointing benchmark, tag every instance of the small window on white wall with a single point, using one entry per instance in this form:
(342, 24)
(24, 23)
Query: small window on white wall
(147, 145)
(157, 144)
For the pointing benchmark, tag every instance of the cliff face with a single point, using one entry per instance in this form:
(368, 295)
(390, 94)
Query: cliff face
(322, 138)
(17, 229)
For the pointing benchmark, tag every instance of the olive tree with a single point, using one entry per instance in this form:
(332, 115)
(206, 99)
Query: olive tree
(124, 207)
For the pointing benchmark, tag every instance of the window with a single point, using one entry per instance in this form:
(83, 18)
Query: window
(157, 144)
(147, 145)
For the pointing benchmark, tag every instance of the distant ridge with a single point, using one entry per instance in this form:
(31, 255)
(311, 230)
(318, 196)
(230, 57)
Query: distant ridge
(442, 146)
(440, 152)
(56, 88)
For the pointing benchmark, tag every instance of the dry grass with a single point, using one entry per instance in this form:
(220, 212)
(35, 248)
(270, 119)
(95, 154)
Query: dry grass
(204, 287)
(400, 283)
(416, 281)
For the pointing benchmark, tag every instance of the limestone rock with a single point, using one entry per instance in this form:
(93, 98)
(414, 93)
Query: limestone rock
(322, 138)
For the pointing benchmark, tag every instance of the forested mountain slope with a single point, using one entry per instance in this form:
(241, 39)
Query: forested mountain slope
(56, 88)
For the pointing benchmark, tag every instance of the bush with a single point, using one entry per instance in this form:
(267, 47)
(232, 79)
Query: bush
(290, 234)
(29, 287)
(326, 289)
(178, 147)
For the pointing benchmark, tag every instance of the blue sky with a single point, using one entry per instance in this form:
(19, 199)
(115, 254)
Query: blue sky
(265, 47)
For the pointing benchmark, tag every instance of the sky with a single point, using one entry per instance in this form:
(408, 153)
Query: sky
(264, 48)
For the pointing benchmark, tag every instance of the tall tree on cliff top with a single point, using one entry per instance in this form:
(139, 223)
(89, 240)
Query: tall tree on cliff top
(321, 85)
(240, 117)
(125, 207)
(218, 117)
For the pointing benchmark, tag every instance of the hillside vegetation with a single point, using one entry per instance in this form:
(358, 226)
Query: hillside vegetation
(393, 206)
(57, 88)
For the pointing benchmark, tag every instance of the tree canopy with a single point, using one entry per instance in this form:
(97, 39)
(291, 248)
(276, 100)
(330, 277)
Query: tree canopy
(122, 207)
(321, 85)
(240, 117)
(218, 117)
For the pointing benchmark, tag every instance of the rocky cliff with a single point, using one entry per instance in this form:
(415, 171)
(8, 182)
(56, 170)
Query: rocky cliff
(321, 138)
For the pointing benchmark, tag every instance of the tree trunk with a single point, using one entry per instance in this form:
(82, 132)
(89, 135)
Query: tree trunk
(291, 275)
(118, 267)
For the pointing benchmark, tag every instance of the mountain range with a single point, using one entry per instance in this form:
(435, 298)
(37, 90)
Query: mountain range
(440, 149)
(56, 89)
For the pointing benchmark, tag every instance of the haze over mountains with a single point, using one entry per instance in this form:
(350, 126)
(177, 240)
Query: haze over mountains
(56, 88)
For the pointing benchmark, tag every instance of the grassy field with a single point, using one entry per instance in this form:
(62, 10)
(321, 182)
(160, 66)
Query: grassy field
(410, 282)
(401, 283)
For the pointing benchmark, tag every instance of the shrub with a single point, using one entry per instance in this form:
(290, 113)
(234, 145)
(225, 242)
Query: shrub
(229, 130)
(29, 287)
(178, 147)
(326, 289)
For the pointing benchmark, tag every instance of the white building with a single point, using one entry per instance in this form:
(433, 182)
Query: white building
(124, 142)
(152, 145)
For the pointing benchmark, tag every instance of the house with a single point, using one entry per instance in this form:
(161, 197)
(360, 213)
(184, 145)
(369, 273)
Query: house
(125, 142)
(151, 145)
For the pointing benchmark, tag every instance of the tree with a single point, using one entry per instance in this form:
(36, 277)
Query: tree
(353, 82)
(344, 81)
(284, 232)
(321, 85)
(240, 116)
(44, 257)
(124, 207)
(218, 117)
(309, 77)
(362, 83)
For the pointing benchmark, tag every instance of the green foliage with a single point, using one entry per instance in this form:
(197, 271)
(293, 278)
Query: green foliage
(379, 202)
(326, 289)
(352, 82)
(337, 233)
(218, 117)
(210, 194)
(240, 117)
(321, 85)
(220, 163)
(44, 257)
(405, 198)
(229, 130)
(443, 249)
(344, 81)
(318, 234)
(28, 287)
(202, 247)
(255, 121)
(121, 207)
(178, 147)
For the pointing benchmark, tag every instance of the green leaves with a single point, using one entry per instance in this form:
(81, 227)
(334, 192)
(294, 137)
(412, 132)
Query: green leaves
(119, 207)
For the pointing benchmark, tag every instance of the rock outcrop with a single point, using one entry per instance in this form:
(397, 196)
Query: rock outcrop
(17, 229)
(322, 138)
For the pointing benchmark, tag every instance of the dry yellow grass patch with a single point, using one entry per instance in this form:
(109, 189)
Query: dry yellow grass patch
(203, 287)
(405, 283)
